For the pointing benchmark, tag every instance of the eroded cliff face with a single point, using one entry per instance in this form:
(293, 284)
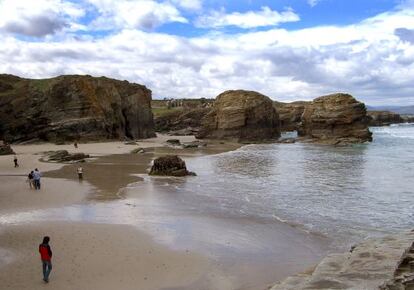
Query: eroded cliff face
(185, 122)
(245, 116)
(73, 107)
(290, 115)
(336, 119)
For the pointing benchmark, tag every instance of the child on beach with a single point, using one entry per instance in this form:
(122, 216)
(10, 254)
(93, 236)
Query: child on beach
(80, 172)
(46, 257)
(15, 162)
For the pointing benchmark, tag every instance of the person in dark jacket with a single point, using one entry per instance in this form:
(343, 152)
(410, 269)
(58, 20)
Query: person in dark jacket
(30, 179)
(16, 164)
(46, 257)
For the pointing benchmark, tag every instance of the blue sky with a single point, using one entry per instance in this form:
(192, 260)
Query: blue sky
(325, 12)
(286, 49)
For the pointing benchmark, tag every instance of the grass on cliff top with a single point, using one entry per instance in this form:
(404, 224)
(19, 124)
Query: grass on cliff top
(42, 84)
(164, 111)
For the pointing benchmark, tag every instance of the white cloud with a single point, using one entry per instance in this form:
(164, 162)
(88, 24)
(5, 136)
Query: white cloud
(37, 18)
(143, 14)
(189, 4)
(250, 19)
(372, 59)
(313, 3)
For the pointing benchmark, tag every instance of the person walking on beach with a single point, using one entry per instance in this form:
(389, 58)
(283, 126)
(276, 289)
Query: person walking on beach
(36, 178)
(30, 179)
(16, 164)
(75, 144)
(80, 172)
(46, 257)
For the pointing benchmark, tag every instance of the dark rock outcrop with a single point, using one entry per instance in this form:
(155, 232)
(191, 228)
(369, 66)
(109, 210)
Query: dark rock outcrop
(290, 115)
(170, 165)
(65, 156)
(5, 149)
(173, 142)
(73, 107)
(336, 119)
(245, 116)
(181, 122)
(384, 118)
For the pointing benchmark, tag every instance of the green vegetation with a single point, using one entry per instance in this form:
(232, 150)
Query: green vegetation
(41, 85)
(164, 111)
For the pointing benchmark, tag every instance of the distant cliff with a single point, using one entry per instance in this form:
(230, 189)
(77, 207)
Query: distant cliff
(73, 107)
(384, 118)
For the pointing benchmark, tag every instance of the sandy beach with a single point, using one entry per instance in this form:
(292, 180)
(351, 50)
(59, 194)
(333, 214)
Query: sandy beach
(134, 248)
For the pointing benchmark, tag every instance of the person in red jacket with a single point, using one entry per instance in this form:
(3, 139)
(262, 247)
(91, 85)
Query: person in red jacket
(46, 256)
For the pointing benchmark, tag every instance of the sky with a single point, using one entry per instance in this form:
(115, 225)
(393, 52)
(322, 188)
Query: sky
(286, 49)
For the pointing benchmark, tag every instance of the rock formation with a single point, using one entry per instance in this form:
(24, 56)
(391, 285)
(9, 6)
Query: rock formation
(374, 264)
(384, 118)
(73, 107)
(244, 116)
(181, 122)
(65, 156)
(290, 115)
(408, 118)
(336, 119)
(170, 165)
(5, 149)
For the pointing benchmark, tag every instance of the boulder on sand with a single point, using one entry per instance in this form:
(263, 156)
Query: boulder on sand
(170, 165)
(5, 149)
(245, 116)
(65, 156)
(336, 119)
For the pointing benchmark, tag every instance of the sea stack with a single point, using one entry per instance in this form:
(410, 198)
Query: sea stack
(336, 119)
(170, 165)
(73, 107)
(244, 116)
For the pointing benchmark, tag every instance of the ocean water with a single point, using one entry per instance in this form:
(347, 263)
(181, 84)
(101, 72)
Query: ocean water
(347, 193)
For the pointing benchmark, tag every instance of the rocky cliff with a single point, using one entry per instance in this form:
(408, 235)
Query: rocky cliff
(181, 122)
(384, 263)
(290, 115)
(408, 118)
(245, 116)
(73, 107)
(384, 118)
(336, 119)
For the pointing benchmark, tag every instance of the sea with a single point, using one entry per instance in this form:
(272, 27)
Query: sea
(347, 193)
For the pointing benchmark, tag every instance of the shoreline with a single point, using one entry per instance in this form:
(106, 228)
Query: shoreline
(284, 232)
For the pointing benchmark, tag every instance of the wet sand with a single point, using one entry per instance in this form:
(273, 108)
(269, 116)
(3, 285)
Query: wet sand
(217, 252)
(93, 256)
